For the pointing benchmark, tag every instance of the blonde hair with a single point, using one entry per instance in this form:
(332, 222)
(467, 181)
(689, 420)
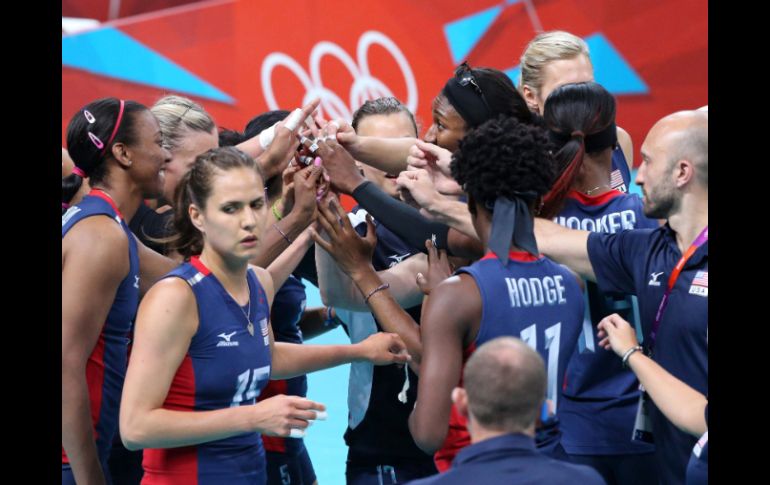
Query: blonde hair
(177, 114)
(547, 47)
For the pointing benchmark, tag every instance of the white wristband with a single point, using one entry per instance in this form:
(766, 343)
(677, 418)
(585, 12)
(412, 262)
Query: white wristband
(266, 137)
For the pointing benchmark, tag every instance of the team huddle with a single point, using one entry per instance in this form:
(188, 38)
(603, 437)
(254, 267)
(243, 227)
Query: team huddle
(515, 315)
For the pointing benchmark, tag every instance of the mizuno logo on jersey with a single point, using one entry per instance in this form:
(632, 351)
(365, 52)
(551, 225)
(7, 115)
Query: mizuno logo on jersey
(654, 279)
(136, 281)
(700, 284)
(226, 340)
(397, 259)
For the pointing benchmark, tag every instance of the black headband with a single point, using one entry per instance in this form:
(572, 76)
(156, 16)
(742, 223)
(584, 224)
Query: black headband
(607, 138)
(467, 102)
(512, 222)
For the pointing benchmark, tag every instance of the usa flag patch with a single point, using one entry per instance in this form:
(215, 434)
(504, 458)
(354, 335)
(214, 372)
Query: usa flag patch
(265, 332)
(616, 181)
(700, 284)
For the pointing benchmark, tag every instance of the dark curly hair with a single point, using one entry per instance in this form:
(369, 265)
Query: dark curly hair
(503, 156)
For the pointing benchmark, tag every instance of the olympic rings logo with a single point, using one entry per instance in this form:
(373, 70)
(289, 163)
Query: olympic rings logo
(364, 87)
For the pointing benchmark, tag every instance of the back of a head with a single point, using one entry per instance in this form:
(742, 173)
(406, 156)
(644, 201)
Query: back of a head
(177, 115)
(547, 47)
(501, 158)
(230, 138)
(382, 106)
(262, 122)
(580, 118)
(691, 141)
(506, 383)
(95, 128)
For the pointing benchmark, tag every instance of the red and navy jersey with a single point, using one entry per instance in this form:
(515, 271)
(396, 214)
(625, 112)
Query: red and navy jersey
(640, 262)
(600, 397)
(378, 431)
(620, 175)
(225, 366)
(106, 367)
(285, 314)
(536, 300)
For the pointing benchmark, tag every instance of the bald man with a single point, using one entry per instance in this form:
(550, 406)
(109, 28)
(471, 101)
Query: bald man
(505, 385)
(673, 303)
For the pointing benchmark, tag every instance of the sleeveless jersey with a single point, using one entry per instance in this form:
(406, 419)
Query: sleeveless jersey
(225, 366)
(106, 366)
(536, 300)
(600, 396)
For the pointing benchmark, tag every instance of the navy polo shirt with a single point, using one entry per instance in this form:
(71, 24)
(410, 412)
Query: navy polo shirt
(640, 262)
(511, 458)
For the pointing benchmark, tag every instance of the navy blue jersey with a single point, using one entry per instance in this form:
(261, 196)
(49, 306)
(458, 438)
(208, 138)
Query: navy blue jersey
(285, 314)
(225, 366)
(640, 262)
(378, 431)
(531, 298)
(620, 177)
(511, 458)
(106, 366)
(600, 397)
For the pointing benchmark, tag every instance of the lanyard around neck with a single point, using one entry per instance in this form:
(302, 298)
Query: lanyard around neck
(699, 241)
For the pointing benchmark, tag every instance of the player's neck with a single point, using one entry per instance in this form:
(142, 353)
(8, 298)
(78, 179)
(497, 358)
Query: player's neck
(230, 274)
(689, 220)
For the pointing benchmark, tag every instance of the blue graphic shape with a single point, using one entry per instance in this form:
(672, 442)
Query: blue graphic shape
(463, 34)
(610, 68)
(110, 52)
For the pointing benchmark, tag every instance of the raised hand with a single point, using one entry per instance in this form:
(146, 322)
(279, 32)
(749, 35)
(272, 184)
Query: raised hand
(384, 348)
(439, 269)
(352, 252)
(436, 161)
(285, 141)
(616, 334)
(339, 164)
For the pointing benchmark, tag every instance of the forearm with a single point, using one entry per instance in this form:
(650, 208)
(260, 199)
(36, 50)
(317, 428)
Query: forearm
(386, 154)
(336, 288)
(452, 213)
(313, 323)
(274, 243)
(565, 246)
(251, 147)
(77, 430)
(681, 404)
(291, 360)
(287, 261)
(390, 315)
(404, 220)
(164, 428)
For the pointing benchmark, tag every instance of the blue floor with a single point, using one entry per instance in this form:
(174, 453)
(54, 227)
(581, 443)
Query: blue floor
(324, 438)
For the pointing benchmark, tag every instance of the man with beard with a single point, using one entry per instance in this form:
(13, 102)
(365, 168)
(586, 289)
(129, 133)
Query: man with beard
(667, 268)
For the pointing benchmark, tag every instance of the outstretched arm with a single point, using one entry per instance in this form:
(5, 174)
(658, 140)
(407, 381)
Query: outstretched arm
(680, 403)
(566, 246)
